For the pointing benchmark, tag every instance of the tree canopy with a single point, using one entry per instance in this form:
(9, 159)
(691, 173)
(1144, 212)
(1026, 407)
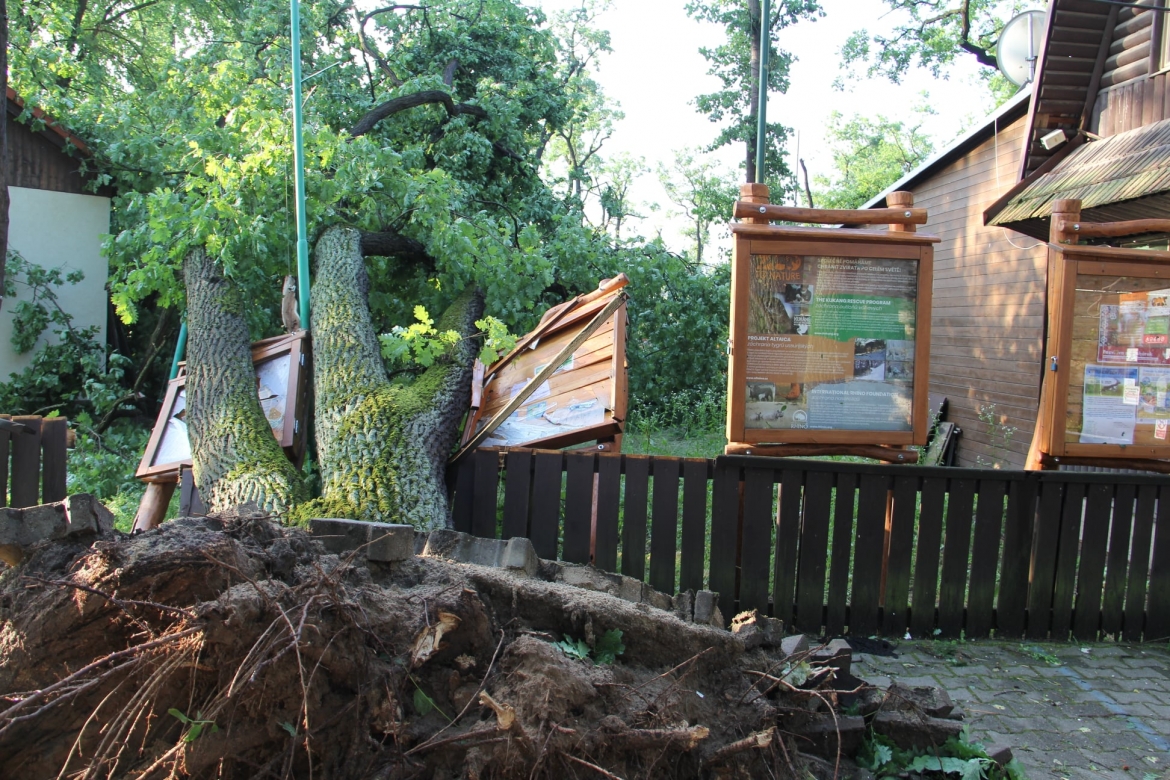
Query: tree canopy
(933, 35)
(436, 129)
(736, 63)
(868, 156)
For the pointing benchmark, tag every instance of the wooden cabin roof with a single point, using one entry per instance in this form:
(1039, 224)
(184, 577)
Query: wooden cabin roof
(1110, 104)
(1123, 177)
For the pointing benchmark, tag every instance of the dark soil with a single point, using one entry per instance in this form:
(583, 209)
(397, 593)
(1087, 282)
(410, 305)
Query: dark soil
(235, 648)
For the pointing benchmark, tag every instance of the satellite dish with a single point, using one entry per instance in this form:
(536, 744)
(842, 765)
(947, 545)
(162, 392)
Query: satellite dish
(1018, 48)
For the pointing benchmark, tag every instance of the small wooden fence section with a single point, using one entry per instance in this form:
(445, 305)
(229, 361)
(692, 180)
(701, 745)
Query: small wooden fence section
(32, 453)
(849, 548)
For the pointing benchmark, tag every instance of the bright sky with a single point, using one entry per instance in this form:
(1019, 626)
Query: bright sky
(655, 71)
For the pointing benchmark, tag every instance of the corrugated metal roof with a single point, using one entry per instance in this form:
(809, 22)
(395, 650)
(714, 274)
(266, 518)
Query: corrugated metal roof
(1126, 166)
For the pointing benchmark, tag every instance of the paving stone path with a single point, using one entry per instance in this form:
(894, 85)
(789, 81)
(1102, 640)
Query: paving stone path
(1067, 710)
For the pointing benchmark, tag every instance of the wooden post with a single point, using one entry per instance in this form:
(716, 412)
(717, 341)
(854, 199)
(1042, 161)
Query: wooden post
(1065, 212)
(901, 200)
(153, 507)
(755, 193)
(53, 456)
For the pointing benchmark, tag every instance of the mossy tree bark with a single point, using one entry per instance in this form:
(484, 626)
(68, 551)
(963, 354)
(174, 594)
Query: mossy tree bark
(236, 458)
(382, 448)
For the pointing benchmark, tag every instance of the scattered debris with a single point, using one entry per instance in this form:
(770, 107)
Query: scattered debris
(287, 660)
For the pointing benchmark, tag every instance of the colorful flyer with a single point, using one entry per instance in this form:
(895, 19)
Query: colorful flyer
(1107, 417)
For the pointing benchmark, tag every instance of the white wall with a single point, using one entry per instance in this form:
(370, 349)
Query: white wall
(57, 230)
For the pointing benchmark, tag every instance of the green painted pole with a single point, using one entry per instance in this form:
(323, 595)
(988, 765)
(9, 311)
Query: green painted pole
(299, 165)
(762, 102)
(180, 349)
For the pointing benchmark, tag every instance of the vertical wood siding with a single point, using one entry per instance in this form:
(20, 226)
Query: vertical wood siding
(37, 163)
(988, 314)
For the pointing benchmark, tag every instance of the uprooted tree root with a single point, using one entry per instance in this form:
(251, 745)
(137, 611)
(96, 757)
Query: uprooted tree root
(230, 647)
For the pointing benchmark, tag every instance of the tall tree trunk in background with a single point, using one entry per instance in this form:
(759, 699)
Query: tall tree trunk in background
(237, 459)
(755, 25)
(383, 448)
(3, 143)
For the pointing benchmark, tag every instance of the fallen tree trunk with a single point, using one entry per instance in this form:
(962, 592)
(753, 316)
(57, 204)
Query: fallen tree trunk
(236, 458)
(382, 448)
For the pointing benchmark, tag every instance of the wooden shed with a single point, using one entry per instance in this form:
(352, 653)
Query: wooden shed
(1095, 126)
(54, 220)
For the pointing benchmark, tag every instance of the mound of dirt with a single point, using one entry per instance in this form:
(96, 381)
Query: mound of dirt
(230, 647)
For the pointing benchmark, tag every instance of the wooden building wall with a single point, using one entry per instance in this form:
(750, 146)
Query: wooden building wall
(1134, 82)
(37, 163)
(988, 300)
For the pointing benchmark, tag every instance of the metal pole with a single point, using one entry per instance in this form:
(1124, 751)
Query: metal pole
(762, 103)
(299, 165)
(180, 349)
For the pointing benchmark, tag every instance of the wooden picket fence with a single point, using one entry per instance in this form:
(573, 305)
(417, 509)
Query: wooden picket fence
(836, 548)
(32, 454)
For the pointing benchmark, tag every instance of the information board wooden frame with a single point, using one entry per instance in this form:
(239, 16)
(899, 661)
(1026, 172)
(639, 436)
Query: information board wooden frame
(1066, 261)
(293, 437)
(756, 238)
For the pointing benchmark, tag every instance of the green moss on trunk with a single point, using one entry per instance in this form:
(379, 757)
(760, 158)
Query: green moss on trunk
(382, 448)
(236, 458)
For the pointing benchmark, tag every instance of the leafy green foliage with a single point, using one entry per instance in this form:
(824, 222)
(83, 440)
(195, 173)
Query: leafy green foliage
(69, 370)
(933, 34)
(734, 106)
(704, 194)
(605, 649)
(957, 757)
(497, 340)
(868, 156)
(195, 726)
(608, 647)
(574, 648)
(419, 343)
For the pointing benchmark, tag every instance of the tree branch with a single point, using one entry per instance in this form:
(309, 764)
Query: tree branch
(404, 102)
(389, 243)
(982, 55)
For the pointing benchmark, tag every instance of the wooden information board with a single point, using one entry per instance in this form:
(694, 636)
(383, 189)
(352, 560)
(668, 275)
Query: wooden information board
(282, 387)
(830, 333)
(1105, 398)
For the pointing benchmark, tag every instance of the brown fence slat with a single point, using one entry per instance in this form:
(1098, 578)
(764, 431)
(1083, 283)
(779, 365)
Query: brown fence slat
(867, 557)
(1139, 567)
(1091, 571)
(897, 595)
(724, 533)
(464, 488)
(930, 525)
(836, 612)
(26, 463)
(755, 553)
(694, 524)
(1113, 599)
(634, 519)
(814, 544)
(1158, 607)
(787, 543)
(487, 485)
(517, 492)
(5, 448)
(609, 494)
(1012, 604)
(985, 557)
(664, 524)
(1044, 560)
(956, 550)
(578, 506)
(53, 454)
(544, 524)
(1064, 583)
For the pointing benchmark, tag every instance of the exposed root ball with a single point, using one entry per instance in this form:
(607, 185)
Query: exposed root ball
(230, 647)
